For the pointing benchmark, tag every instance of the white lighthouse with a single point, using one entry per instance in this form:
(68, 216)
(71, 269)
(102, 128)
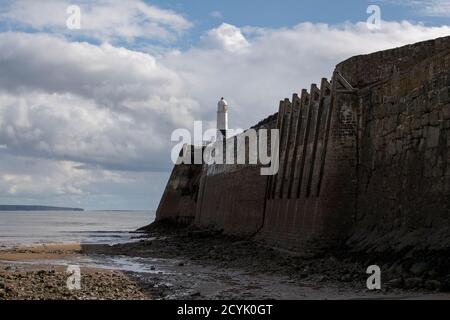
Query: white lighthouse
(222, 119)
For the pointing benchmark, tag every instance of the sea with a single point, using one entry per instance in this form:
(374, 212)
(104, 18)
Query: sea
(24, 228)
(28, 228)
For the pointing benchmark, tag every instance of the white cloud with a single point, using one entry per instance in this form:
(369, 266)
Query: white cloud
(227, 37)
(104, 20)
(66, 183)
(34, 178)
(96, 104)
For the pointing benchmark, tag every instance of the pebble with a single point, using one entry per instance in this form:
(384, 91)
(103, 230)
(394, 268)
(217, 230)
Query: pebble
(432, 285)
(395, 283)
(413, 283)
(52, 285)
(196, 294)
(418, 268)
(346, 278)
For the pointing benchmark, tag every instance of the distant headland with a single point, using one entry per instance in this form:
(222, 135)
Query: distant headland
(35, 208)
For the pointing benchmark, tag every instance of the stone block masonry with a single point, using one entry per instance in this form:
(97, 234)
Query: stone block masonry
(364, 161)
(403, 197)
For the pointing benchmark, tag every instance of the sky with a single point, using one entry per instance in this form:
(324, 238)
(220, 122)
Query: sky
(86, 115)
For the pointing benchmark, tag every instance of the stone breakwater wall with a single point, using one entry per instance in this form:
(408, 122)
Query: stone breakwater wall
(364, 161)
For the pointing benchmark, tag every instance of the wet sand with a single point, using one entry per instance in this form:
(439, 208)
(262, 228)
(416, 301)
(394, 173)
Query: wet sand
(186, 265)
(208, 265)
(41, 252)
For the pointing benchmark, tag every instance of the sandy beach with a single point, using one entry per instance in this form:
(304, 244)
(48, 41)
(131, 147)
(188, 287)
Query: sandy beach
(37, 273)
(185, 264)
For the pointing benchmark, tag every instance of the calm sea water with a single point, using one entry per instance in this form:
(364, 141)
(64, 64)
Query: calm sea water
(33, 227)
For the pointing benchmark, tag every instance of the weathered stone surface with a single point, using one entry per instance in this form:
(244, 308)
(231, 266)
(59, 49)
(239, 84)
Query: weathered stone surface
(402, 181)
(179, 200)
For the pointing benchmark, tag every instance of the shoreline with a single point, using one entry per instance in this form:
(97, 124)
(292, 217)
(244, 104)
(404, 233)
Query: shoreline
(183, 264)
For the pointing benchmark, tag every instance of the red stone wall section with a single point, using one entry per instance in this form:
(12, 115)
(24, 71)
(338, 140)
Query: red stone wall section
(232, 197)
